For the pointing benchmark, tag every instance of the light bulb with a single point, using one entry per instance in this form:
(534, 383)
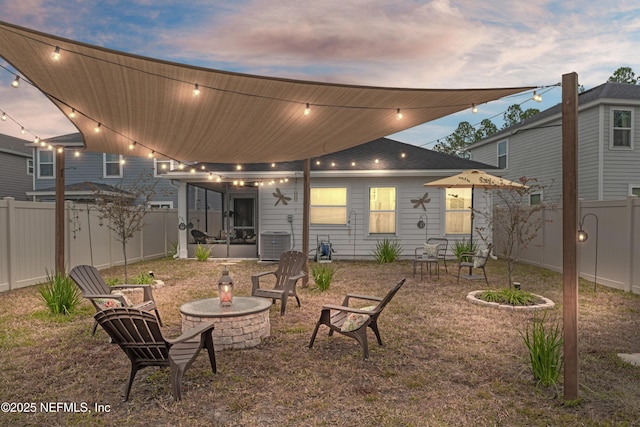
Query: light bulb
(398, 114)
(55, 55)
(16, 82)
(60, 150)
(22, 131)
(377, 161)
(307, 110)
(131, 145)
(238, 167)
(76, 153)
(318, 162)
(403, 154)
(218, 179)
(4, 116)
(193, 170)
(241, 182)
(474, 109)
(196, 90)
(122, 162)
(72, 114)
(210, 177)
(353, 163)
(97, 128)
(536, 97)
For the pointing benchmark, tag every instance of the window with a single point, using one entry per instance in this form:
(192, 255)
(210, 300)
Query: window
(29, 166)
(161, 166)
(621, 128)
(535, 199)
(45, 164)
(502, 154)
(112, 165)
(328, 206)
(634, 190)
(382, 210)
(458, 211)
(161, 205)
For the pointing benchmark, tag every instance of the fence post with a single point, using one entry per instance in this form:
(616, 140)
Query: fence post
(11, 233)
(631, 242)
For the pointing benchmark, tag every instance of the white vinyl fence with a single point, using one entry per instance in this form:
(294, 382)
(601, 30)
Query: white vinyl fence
(612, 225)
(27, 240)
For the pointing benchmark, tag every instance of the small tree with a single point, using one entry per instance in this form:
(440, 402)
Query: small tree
(123, 210)
(514, 222)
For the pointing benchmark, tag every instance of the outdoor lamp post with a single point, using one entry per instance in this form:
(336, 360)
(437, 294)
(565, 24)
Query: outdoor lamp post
(583, 236)
(225, 288)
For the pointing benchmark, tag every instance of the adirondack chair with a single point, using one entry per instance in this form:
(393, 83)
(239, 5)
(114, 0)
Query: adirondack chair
(353, 322)
(287, 275)
(102, 296)
(139, 336)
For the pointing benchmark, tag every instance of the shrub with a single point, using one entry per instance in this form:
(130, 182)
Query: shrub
(202, 252)
(142, 279)
(322, 274)
(462, 246)
(174, 248)
(508, 296)
(387, 251)
(60, 294)
(544, 343)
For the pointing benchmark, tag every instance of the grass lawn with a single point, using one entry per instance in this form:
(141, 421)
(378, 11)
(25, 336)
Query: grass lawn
(445, 362)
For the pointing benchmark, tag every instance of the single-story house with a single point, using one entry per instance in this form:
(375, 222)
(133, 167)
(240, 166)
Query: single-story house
(359, 197)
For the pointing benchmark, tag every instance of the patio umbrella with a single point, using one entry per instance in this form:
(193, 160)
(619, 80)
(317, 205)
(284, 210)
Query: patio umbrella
(473, 179)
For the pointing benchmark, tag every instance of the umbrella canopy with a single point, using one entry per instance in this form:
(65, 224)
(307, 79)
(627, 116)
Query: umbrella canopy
(151, 105)
(474, 179)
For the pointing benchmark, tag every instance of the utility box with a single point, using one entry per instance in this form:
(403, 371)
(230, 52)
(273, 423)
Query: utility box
(274, 243)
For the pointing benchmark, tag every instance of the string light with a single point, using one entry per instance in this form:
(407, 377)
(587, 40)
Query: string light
(132, 145)
(403, 154)
(307, 110)
(273, 165)
(97, 128)
(151, 154)
(60, 150)
(122, 161)
(398, 114)
(76, 153)
(22, 131)
(474, 109)
(238, 167)
(536, 97)
(4, 116)
(72, 114)
(377, 161)
(196, 90)
(55, 55)
(16, 82)
(318, 162)
(353, 163)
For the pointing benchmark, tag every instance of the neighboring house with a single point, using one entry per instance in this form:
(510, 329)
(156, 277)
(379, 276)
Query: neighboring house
(608, 146)
(359, 196)
(16, 168)
(88, 174)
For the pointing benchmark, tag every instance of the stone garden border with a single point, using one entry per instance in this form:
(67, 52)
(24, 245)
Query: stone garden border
(546, 304)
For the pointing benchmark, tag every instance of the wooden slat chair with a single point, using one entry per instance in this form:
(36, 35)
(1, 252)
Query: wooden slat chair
(94, 288)
(353, 322)
(139, 336)
(289, 271)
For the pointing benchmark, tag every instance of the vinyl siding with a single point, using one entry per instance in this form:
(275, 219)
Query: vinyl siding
(621, 167)
(14, 181)
(353, 240)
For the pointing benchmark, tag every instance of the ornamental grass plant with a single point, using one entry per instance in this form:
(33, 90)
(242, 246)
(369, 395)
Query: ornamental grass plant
(60, 294)
(544, 342)
(387, 251)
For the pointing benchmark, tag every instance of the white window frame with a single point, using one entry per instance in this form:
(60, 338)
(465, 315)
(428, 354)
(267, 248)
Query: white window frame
(613, 129)
(104, 166)
(633, 187)
(30, 166)
(160, 205)
(505, 155)
(52, 163)
(394, 210)
(345, 206)
(155, 166)
(537, 193)
(447, 211)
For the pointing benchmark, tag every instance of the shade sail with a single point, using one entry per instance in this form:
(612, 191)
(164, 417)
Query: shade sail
(236, 118)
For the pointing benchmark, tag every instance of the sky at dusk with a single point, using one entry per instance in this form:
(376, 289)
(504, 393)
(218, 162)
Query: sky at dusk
(398, 43)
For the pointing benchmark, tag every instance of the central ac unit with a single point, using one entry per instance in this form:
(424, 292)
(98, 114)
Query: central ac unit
(273, 243)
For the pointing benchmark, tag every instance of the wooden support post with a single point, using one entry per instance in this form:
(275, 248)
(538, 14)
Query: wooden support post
(569, 232)
(59, 212)
(306, 200)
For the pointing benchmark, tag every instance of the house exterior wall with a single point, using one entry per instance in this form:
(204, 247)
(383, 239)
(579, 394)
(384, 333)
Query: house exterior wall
(603, 173)
(89, 167)
(352, 240)
(14, 179)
